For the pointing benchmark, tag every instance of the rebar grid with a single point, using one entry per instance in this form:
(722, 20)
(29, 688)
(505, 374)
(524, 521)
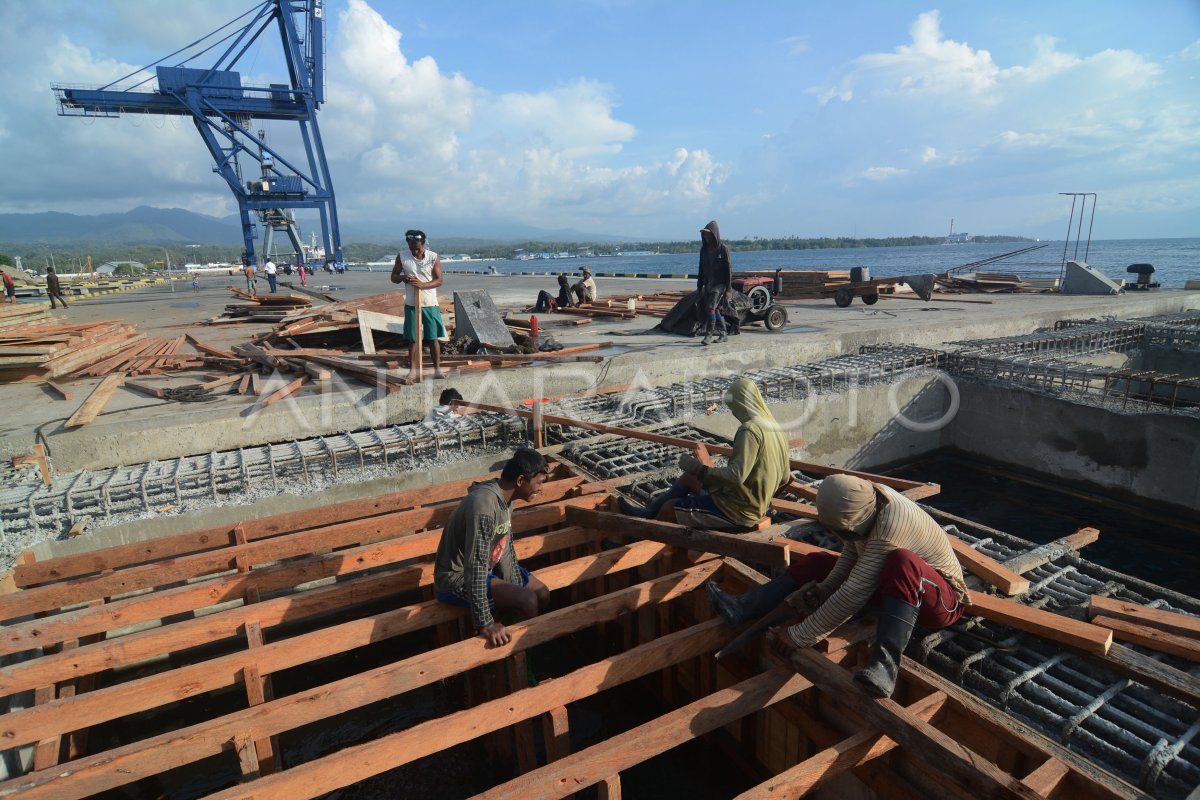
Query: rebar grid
(27, 505)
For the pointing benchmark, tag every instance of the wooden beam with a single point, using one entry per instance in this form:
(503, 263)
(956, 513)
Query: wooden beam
(58, 389)
(1046, 779)
(592, 765)
(94, 404)
(1154, 638)
(1055, 627)
(988, 569)
(802, 510)
(726, 544)
(918, 738)
(1153, 673)
(1169, 621)
(123, 765)
(285, 391)
(1067, 545)
(370, 321)
(838, 759)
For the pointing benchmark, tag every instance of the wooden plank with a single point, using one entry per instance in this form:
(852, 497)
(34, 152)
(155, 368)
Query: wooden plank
(802, 510)
(727, 544)
(94, 404)
(1055, 627)
(146, 388)
(839, 758)
(207, 348)
(556, 733)
(58, 389)
(987, 568)
(369, 321)
(222, 381)
(1169, 621)
(283, 392)
(1067, 545)
(123, 765)
(1153, 673)
(918, 738)
(1154, 638)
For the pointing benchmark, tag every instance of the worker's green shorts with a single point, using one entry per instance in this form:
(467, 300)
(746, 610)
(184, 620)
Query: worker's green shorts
(432, 326)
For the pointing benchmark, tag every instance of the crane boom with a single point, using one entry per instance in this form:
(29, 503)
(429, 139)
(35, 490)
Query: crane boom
(224, 109)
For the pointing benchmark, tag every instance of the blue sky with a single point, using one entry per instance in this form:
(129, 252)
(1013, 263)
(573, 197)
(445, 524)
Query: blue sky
(647, 119)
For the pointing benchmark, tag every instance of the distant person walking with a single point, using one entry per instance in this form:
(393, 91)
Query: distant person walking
(270, 269)
(53, 288)
(713, 280)
(251, 279)
(195, 283)
(585, 289)
(303, 273)
(10, 289)
(421, 270)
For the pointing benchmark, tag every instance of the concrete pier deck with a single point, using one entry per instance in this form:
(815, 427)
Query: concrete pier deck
(135, 428)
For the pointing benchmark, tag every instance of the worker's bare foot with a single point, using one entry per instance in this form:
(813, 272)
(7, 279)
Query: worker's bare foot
(440, 374)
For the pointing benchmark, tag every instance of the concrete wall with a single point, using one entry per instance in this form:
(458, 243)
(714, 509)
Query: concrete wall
(1148, 456)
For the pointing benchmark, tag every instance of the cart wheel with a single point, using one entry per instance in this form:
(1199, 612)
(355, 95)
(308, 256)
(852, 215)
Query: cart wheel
(870, 299)
(759, 298)
(843, 297)
(776, 318)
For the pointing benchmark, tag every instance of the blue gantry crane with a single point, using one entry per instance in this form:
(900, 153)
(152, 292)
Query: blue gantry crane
(224, 111)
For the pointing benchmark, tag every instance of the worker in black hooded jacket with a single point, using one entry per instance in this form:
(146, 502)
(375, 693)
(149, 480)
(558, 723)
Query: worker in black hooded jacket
(713, 280)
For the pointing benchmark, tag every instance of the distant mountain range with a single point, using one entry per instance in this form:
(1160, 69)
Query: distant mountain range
(175, 226)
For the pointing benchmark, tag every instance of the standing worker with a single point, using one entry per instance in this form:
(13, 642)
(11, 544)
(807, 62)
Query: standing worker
(303, 273)
(53, 288)
(270, 269)
(476, 566)
(10, 289)
(251, 278)
(421, 270)
(713, 280)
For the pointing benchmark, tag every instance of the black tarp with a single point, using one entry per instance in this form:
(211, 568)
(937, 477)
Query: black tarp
(683, 319)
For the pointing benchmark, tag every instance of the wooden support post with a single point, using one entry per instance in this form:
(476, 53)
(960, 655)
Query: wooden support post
(556, 732)
(539, 426)
(259, 691)
(518, 679)
(248, 761)
(43, 464)
(609, 788)
(46, 751)
(1046, 778)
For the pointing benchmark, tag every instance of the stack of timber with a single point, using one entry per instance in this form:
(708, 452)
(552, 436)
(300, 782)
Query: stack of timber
(39, 348)
(618, 615)
(799, 284)
(263, 307)
(986, 282)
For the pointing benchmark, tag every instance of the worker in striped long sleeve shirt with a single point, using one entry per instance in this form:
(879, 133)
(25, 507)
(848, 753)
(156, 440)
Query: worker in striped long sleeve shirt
(476, 566)
(892, 551)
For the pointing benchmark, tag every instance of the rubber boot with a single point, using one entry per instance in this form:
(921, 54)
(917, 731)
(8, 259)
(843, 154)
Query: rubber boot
(736, 609)
(719, 323)
(656, 503)
(708, 332)
(895, 627)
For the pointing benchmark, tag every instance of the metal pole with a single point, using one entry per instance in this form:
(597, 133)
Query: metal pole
(1066, 242)
(1090, 224)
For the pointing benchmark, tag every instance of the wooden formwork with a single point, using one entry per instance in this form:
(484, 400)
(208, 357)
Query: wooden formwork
(227, 608)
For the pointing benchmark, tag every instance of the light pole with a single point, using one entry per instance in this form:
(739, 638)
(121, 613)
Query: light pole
(170, 282)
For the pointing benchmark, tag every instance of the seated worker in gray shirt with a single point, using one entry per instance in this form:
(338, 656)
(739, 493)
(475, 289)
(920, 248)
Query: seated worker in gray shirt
(476, 566)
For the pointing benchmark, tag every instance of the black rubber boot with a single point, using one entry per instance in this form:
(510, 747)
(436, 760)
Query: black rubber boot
(708, 332)
(719, 323)
(736, 609)
(895, 627)
(629, 509)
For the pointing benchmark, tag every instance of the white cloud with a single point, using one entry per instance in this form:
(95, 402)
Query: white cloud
(884, 173)
(1192, 51)
(796, 45)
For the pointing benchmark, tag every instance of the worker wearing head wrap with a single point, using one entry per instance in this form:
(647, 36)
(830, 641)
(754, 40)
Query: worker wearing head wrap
(714, 277)
(892, 551)
(737, 495)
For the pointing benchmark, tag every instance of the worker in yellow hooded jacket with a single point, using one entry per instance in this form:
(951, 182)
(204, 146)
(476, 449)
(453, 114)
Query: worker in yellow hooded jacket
(733, 497)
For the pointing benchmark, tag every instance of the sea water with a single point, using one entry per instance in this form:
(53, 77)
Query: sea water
(1175, 260)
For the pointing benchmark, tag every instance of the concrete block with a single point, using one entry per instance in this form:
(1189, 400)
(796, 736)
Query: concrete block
(475, 315)
(1082, 279)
